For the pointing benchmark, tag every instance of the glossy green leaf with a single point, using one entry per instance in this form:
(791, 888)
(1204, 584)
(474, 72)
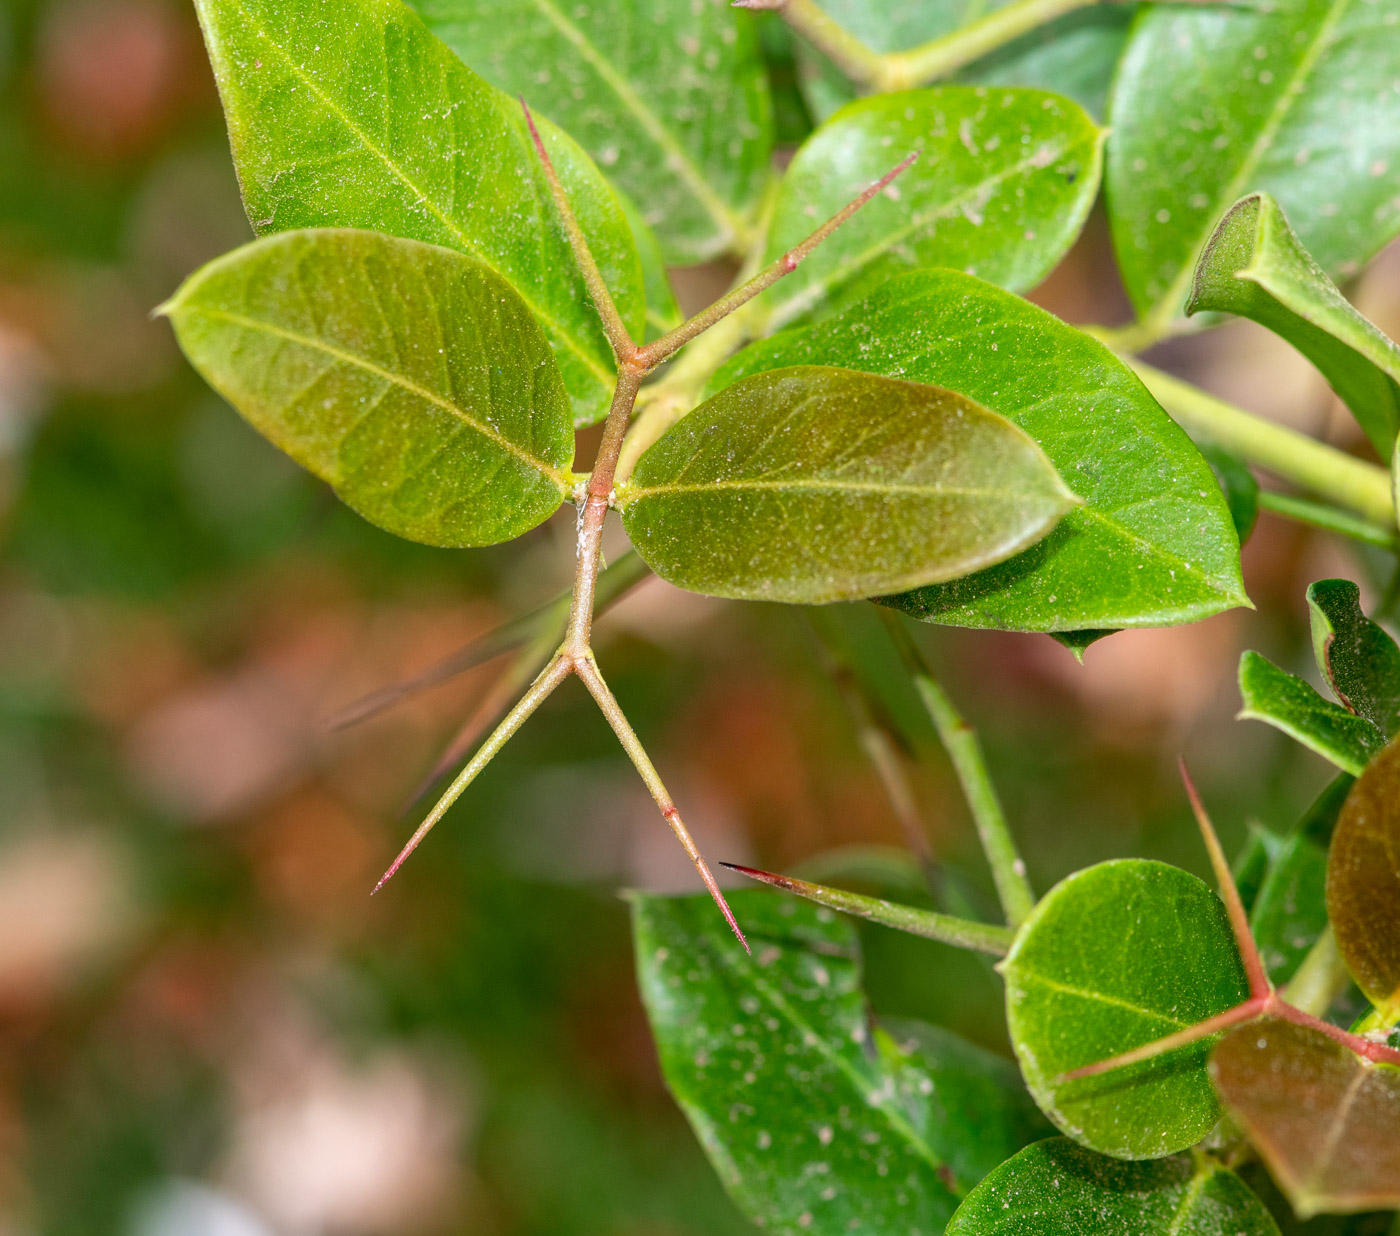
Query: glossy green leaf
(1153, 544)
(813, 484)
(1238, 484)
(1359, 660)
(1296, 99)
(663, 314)
(1056, 1188)
(1115, 957)
(1288, 703)
(350, 113)
(1255, 266)
(1324, 1120)
(1073, 55)
(1001, 188)
(1363, 881)
(815, 1123)
(411, 378)
(668, 96)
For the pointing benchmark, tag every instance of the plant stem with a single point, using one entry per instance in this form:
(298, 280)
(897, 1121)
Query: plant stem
(1333, 474)
(1321, 979)
(965, 751)
(1328, 517)
(959, 932)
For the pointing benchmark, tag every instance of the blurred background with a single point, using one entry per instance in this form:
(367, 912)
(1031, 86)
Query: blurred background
(207, 1027)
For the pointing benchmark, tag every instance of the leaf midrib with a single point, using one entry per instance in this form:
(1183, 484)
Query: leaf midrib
(1166, 305)
(349, 358)
(1100, 997)
(678, 159)
(635, 493)
(468, 245)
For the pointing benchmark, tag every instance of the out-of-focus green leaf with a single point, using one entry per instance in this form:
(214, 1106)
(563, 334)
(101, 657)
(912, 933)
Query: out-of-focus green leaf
(1001, 188)
(1073, 55)
(814, 484)
(814, 1122)
(1056, 1188)
(411, 378)
(663, 313)
(1363, 881)
(1254, 265)
(1296, 99)
(1324, 1120)
(668, 96)
(1115, 957)
(1153, 544)
(1286, 702)
(1238, 484)
(349, 113)
(1359, 660)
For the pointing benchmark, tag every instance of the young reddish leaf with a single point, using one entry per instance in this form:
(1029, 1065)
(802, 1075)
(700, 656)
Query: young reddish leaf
(1363, 881)
(1326, 1122)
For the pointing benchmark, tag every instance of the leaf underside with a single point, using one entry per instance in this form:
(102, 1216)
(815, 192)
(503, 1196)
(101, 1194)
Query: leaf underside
(411, 378)
(1359, 660)
(812, 484)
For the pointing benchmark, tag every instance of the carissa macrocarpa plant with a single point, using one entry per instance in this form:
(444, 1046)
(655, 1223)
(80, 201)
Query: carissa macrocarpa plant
(443, 289)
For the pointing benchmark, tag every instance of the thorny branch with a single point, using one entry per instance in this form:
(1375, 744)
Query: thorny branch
(574, 655)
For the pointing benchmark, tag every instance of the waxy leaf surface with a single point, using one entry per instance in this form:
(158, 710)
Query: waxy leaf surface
(668, 96)
(1056, 1188)
(1002, 185)
(411, 378)
(1211, 102)
(813, 484)
(1363, 881)
(1359, 660)
(1153, 543)
(350, 113)
(815, 1123)
(1324, 1120)
(1254, 265)
(1115, 957)
(1072, 55)
(1286, 702)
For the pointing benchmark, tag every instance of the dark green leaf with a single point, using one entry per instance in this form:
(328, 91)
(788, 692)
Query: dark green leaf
(1056, 1188)
(349, 113)
(814, 484)
(1079, 642)
(1153, 544)
(1297, 99)
(663, 314)
(1254, 265)
(1290, 910)
(1115, 957)
(1072, 55)
(412, 379)
(1288, 703)
(813, 1122)
(1238, 484)
(1359, 660)
(1363, 881)
(1001, 188)
(669, 96)
(1324, 1120)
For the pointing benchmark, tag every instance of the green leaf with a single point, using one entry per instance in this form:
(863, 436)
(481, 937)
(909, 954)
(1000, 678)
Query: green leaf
(349, 113)
(669, 96)
(1073, 55)
(814, 1123)
(1001, 188)
(1254, 265)
(814, 484)
(1295, 99)
(1288, 703)
(1238, 484)
(1115, 957)
(1359, 660)
(1056, 1188)
(1363, 881)
(1153, 543)
(411, 378)
(663, 314)
(1324, 1120)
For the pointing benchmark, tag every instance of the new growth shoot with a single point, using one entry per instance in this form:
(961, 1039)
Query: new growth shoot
(1263, 1000)
(574, 654)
